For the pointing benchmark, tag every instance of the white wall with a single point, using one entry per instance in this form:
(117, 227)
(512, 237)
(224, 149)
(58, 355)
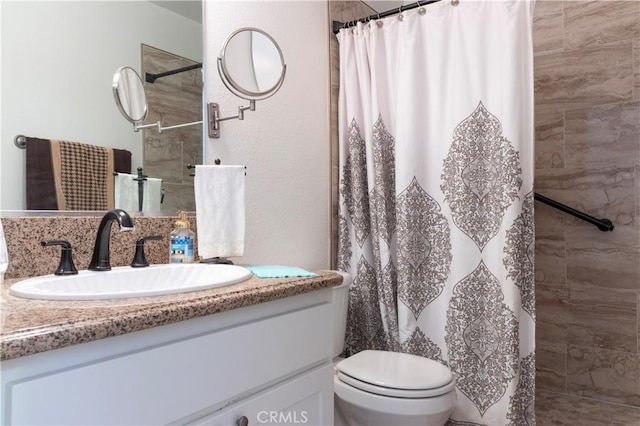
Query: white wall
(285, 142)
(58, 60)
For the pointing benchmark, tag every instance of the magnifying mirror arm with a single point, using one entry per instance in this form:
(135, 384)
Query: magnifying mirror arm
(215, 119)
(158, 126)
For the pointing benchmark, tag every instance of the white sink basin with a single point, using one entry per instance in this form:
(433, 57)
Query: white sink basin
(124, 282)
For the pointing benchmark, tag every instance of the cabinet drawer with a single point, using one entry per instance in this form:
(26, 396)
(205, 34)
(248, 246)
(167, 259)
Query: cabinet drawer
(171, 381)
(303, 400)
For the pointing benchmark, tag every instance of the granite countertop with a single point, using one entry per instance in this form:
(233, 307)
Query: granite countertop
(31, 326)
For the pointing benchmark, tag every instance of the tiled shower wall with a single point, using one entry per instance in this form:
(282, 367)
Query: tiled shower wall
(587, 88)
(175, 99)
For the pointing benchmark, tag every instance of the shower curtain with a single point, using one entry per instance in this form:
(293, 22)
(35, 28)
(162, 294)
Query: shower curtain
(436, 197)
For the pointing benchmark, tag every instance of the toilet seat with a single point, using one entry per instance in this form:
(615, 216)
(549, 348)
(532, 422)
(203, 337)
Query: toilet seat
(396, 375)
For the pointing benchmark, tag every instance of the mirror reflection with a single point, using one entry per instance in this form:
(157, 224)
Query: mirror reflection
(129, 94)
(251, 64)
(56, 86)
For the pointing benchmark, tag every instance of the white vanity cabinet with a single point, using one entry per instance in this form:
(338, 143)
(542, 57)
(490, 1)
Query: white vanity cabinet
(270, 363)
(303, 400)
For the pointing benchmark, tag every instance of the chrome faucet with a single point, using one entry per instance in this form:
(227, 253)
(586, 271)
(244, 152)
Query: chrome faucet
(100, 258)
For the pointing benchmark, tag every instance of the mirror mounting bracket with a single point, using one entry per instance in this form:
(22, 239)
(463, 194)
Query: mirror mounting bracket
(213, 116)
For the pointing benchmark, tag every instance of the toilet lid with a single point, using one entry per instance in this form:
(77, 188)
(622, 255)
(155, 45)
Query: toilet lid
(383, 371)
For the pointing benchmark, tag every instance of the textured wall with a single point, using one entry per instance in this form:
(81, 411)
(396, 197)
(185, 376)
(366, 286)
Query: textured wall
(285, 142)
(587, 87)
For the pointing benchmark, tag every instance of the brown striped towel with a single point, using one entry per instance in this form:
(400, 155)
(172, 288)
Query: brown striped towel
(75, 176)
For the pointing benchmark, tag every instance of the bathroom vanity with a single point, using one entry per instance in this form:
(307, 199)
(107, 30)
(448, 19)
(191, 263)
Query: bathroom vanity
(255, 352)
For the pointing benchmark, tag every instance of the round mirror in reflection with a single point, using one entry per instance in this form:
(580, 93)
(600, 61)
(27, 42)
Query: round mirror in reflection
(128, 92)
(251, 64)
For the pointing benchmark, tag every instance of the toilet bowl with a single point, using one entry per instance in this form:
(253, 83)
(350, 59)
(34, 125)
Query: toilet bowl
(386, 388)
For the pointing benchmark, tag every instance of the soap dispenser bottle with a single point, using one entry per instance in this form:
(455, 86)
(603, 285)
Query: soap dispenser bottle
(182, 238)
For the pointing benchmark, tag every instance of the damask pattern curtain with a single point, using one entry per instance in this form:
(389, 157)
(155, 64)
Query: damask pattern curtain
(436, 197)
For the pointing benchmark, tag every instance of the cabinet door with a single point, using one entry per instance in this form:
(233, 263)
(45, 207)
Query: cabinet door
(305, 399)
(215, 419)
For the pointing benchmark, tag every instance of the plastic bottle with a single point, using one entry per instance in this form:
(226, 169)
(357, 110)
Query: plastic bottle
(182, 238)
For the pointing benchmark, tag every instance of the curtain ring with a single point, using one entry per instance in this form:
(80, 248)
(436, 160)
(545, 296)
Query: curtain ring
(455, 2)
(400, 17)
(379, 23)
(421, 9)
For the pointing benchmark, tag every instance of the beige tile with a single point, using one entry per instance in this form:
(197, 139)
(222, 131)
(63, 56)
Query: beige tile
(334, 60)
(156, 61)
(547, 26)
(191, 80)
(550, 260)
(584, 77)
(603, 193)
(636, 69)
(162, 157)
(637, 186)
(178, 197)
(335, 174)
(548, 218)
(551, 367)
(191, 150)
(554, 409)
(587, 316)
(173, 100)
(604, 375)
(609, 260)
(602, 136)
(603, 318)
(553, 316)
(549, 137)
(589, 23)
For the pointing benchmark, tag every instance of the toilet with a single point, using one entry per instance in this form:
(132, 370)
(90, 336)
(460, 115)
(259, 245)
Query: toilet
(386, 388)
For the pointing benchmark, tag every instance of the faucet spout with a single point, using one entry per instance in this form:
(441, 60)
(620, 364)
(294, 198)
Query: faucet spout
(100, 258)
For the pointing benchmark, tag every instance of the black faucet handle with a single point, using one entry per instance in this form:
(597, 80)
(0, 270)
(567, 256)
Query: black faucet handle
(139, 260)
(66, 266)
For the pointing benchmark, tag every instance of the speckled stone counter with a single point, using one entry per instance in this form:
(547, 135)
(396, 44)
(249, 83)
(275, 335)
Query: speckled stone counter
(33, 326)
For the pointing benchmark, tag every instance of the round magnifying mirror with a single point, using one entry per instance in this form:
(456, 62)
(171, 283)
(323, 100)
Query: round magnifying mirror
(251, 64)
(128, 92)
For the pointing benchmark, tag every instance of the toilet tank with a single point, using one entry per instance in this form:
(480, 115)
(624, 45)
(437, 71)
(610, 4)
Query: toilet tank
(340, 305)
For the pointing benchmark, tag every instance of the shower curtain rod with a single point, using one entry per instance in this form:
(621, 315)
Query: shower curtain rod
(337, 25)
(151, 78)
(602, 224)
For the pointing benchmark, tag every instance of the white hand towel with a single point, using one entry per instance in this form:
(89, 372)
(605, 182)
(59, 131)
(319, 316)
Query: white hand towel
(126, 192)
(152, 195)
(4, 257)
(220, 213)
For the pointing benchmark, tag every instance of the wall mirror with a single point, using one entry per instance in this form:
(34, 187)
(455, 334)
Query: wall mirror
(251, 66)
(64, 66)
(131, 99)
(129, 95)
